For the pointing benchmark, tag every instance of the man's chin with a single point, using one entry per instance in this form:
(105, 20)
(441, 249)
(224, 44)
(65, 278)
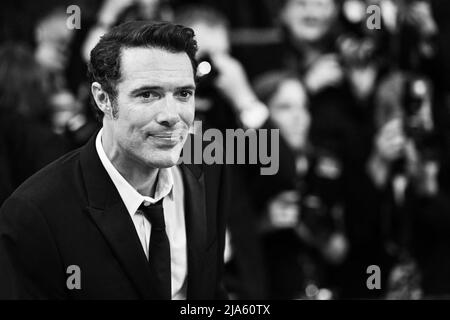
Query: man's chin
(164, 161)
(164, 165)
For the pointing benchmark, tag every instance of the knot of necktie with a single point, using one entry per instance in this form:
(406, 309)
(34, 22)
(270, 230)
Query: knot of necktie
(154, 214)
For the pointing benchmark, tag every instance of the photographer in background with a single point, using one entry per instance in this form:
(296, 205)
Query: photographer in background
(303, 228)
(69, 114)
(52, 43)
(225, 80)
(340, 67)
(409, 167)
(409, 163)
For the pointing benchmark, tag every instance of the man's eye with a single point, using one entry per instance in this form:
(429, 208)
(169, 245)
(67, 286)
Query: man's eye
(148, 95)
(185, 94)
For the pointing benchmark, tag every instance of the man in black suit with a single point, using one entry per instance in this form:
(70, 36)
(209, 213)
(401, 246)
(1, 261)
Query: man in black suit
(117, 218)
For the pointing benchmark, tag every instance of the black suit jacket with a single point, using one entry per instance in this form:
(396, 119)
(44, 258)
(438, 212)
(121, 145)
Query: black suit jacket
(70, 213)
(25, 147)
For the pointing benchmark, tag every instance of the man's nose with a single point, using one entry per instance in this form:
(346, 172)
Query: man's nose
(168, 115)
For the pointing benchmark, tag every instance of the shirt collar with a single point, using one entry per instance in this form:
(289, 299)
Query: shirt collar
(130, 196)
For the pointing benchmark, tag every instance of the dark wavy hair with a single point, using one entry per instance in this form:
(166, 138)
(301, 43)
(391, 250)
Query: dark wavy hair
(104, 65)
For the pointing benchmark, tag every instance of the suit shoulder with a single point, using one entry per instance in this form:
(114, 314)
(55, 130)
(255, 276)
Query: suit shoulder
(51, 181)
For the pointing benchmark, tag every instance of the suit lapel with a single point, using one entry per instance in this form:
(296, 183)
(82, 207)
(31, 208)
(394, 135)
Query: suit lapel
(114, 222)
(118, 230)
(195, 213)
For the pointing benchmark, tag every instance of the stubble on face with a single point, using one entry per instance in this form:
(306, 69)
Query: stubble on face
(156, 107)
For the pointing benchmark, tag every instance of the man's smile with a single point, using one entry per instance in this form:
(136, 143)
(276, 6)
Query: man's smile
(166, 139)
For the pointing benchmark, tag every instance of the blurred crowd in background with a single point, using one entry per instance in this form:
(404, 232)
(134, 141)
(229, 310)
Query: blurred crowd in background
(363, 113)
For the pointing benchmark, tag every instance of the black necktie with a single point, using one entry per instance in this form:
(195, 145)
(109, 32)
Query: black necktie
(159, 248)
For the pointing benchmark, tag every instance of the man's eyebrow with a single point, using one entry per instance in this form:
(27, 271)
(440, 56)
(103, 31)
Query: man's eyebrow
(188, 87)
(145, 88)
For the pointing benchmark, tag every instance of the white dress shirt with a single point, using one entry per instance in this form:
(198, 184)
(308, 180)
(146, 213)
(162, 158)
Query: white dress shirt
(169, 185)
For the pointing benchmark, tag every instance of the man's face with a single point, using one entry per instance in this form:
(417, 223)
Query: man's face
(155, 102)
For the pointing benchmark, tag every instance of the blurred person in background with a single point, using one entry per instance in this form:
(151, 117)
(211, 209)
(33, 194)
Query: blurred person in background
(340, 70)
(310, 30)
(115, 12)
(225, 81)
(304, 227)
(214, 104)
(27, 142)
(68, 114)
(52, 43)
(409, 162)
(410, 167)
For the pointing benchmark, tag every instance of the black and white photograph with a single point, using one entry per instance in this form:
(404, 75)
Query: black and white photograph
(225, 150)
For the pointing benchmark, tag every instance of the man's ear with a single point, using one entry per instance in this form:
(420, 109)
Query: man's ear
(102, 99)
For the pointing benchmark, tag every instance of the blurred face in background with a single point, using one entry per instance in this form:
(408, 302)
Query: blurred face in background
(288, 109)
(53, 39)
(309, 20)
(211, 39)
(149, 9)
